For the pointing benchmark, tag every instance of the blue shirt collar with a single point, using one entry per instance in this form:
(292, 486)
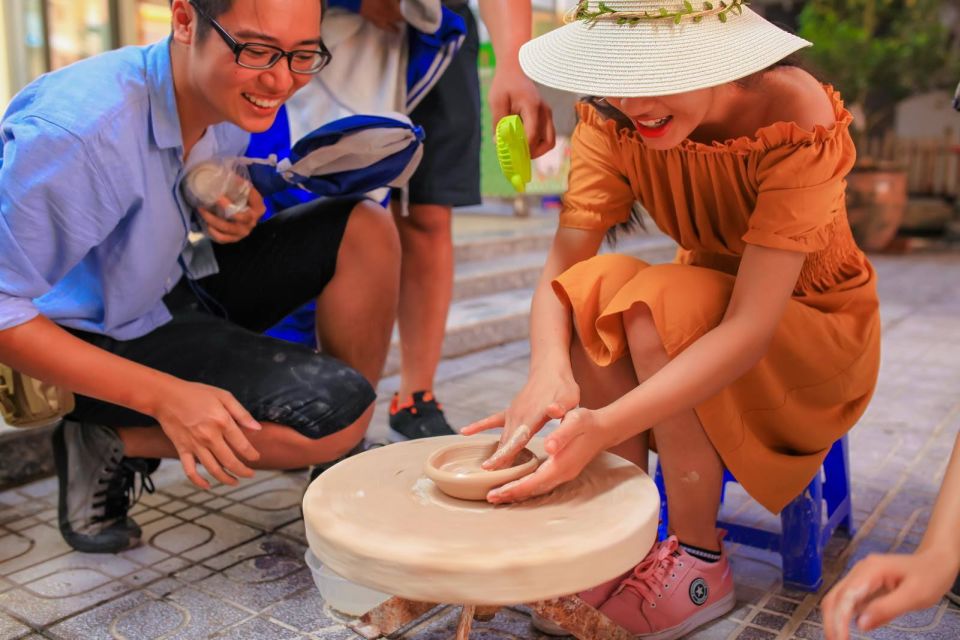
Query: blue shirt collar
(164, 120)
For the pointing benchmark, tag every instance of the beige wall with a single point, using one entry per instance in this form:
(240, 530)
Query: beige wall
(4, 61)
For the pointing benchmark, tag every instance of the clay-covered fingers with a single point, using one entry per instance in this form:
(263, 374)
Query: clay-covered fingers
(912, 594)
(545, 479)
(512, 442)
(849, 599)
(496, 421)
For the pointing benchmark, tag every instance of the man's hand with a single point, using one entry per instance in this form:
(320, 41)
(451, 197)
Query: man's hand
(204, 424)
(226, 230)
(514, 93)
(384, 14)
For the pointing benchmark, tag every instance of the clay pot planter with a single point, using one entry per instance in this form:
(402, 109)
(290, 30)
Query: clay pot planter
(876, 202)
(456, 471)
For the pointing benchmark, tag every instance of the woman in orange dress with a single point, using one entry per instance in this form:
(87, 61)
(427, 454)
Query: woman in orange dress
(758, 347)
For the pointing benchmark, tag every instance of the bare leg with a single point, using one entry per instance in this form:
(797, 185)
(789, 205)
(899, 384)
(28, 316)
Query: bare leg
(426, 288)
(692, 469)
(599, 386)
(280, 447)
(355, 312)
(354, 319)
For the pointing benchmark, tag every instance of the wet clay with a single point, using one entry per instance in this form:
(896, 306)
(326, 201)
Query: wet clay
(457, 469)
(377, 520)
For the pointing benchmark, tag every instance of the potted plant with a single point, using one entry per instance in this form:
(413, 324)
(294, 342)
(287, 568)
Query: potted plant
(876, 53)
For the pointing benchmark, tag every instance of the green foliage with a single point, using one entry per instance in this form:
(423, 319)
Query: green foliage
(877, 52)
(605, 12)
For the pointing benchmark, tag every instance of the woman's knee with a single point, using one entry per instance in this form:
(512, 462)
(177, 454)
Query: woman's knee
(646, 345)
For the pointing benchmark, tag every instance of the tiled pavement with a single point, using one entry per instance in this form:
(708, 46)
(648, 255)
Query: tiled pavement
(228, 563)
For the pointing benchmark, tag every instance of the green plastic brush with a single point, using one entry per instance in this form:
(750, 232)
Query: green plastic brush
(513, 152)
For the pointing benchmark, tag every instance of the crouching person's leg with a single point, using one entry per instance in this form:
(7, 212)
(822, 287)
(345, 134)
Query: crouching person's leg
(310, 407)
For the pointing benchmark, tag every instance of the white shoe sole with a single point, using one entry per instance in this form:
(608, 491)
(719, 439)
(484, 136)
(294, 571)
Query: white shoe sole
(702, 617)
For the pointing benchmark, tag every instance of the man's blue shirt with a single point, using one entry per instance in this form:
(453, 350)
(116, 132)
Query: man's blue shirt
(92, 222)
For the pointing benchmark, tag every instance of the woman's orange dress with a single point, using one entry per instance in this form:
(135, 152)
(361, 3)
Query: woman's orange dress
(783, 189)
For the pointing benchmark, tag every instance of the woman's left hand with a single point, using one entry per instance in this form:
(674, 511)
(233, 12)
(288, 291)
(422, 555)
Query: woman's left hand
(570, 448)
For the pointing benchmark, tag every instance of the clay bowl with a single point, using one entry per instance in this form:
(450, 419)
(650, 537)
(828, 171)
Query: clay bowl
(456, 470)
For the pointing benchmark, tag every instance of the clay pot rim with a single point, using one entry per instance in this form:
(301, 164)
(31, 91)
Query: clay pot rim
(472, 480)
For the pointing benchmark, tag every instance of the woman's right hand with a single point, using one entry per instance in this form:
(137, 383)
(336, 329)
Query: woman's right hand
(546, 396)
(205, 425)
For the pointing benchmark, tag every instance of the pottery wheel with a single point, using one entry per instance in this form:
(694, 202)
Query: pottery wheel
(377, 520)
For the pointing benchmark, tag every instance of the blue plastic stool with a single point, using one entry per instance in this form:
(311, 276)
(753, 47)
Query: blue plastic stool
(804, 532)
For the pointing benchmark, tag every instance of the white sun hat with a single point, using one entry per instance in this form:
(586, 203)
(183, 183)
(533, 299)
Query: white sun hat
(636, 48)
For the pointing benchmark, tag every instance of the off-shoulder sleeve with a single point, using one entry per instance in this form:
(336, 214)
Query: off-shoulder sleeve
(801, 187)
(598, 194)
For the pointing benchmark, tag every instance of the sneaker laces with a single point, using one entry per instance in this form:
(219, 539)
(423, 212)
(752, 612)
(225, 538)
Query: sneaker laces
(648, 579)
(121, 492)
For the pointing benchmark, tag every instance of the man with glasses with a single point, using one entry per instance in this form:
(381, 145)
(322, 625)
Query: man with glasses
(153, 313)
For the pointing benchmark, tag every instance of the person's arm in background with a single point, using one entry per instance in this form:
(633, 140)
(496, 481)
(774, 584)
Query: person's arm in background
(509, 23)
(385, 14)
(883, 587)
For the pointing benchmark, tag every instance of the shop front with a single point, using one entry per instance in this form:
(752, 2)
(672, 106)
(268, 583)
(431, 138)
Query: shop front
(43, 35)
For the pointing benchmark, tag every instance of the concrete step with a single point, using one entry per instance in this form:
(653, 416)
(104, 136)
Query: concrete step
(492, 297)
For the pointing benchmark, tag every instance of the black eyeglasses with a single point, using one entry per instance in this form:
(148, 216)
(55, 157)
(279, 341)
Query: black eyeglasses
(254, 55)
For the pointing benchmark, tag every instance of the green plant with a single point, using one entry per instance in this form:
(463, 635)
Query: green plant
(722, 9)
(878, 52)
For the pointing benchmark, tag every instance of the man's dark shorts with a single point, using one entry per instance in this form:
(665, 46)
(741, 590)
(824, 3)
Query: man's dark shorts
(216, 335)
(449, 173)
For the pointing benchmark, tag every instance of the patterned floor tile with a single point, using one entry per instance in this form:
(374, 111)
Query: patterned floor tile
(257, 629)
(259, 574)
(139, 615)
(10, 628)
(49, 600)
(228, 564)
(306, 611)
(29, 547)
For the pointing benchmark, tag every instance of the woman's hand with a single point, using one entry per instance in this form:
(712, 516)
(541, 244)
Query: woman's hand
(544, 397)
(883, 587)
(204, 423)
(569, 449)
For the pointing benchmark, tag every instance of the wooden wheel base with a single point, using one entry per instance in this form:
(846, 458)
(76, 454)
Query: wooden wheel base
(570, 612)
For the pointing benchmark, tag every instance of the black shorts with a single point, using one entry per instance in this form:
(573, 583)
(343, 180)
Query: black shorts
(449, 173)
(215, 336)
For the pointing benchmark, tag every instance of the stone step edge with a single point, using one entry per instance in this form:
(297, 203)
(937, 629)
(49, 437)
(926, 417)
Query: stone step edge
(466, 337)
(482, 277)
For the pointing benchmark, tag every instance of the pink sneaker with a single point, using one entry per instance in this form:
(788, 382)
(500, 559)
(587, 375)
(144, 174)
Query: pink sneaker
(671, 593)
(594, 596)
